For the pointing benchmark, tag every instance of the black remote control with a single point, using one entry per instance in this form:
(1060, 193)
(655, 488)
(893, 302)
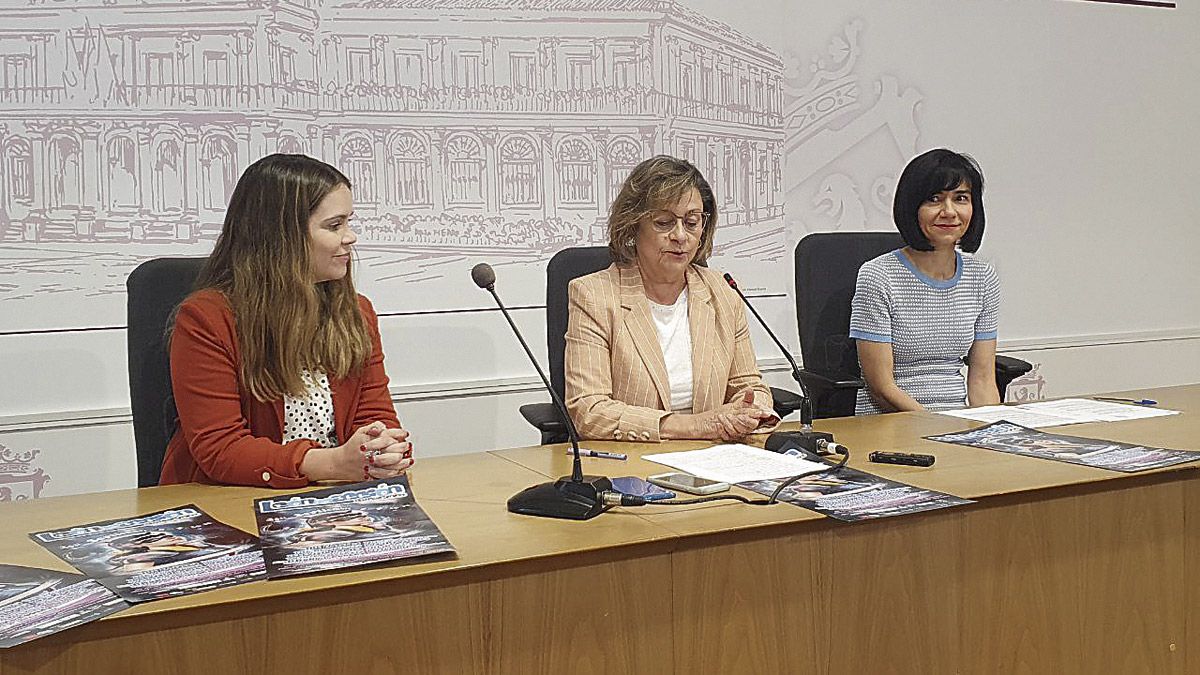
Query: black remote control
(880, 457)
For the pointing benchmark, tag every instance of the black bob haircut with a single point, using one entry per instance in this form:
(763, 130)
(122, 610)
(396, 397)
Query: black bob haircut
(928, 174)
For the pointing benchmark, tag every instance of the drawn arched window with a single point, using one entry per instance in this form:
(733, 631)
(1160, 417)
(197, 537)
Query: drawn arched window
(168, 177)
(121, 152)
(66, 170)
(218, 166)
(464, 168)
(18, 169)
(358, 161)
(290, 145)
(623, 155)
(408, 162)
(576, 172)
(519, 185)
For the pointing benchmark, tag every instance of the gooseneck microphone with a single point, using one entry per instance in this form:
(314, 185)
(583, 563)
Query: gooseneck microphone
(806, 411)
(577, 497)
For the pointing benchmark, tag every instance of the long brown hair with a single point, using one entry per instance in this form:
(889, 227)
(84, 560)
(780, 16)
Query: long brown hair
(657, 183)
(286, 323)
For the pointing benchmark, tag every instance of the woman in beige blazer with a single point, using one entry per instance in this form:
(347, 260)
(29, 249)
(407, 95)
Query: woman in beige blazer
(657, 344)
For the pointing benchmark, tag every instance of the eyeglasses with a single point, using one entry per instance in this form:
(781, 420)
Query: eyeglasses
(665, 221)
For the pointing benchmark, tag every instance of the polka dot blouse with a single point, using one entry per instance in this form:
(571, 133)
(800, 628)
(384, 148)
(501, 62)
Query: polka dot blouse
(311, 417)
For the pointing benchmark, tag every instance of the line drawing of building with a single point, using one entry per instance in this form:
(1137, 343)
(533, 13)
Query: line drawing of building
(485, 128)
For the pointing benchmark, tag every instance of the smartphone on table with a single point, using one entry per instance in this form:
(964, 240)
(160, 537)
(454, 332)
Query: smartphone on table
(686, 482)
(638, 487)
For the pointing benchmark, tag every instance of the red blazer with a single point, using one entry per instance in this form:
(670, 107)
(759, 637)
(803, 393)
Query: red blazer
(225, 435)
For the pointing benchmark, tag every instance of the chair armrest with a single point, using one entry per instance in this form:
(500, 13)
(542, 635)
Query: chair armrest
(544, 417)
(785, 402)
(832, 396)
(1007, 370)
(817, 381)
(1011, 368)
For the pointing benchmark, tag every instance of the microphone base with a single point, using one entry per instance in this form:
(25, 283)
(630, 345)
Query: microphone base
(564, 498)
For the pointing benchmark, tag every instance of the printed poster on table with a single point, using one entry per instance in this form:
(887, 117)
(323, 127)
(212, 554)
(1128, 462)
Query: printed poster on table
(1018, 440)
(851, 495)
(37, 602)
(345, 526)
(175, 552)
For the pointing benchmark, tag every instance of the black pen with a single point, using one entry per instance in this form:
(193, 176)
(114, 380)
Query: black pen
(1117, 399)
(584, 452)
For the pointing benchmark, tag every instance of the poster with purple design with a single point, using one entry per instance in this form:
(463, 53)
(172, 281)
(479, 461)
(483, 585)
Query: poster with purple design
(1015, 439)
(36, 602)
(851, 495)
(159, 555)
(345, 526)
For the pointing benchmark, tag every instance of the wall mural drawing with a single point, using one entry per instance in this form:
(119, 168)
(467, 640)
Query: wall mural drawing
(495, 130)
(843, 150)
(469, 135)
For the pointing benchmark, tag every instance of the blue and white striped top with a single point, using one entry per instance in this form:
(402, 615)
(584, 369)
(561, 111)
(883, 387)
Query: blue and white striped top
(930, 324)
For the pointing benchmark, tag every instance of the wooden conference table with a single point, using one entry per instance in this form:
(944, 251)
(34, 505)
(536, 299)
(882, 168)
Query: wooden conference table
(1057, 569)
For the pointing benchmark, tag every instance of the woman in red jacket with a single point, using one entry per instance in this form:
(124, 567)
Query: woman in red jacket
(276, 363)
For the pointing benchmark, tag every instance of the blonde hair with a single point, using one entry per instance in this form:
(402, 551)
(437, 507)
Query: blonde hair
(655, 184)
(286, 322)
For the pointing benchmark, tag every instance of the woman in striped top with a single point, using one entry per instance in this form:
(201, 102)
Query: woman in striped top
(919, 312)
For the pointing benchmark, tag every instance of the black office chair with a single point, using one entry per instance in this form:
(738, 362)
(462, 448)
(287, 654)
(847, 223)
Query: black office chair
(566, 265)
(826, 265)
(154, 289)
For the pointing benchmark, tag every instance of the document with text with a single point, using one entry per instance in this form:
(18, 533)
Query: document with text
(1056, 413)
(735, 463)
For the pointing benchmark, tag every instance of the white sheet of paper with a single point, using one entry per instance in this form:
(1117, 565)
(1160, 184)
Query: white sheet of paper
(1097, 411)
(735, 463)
(1011, 413)
(1063, 411)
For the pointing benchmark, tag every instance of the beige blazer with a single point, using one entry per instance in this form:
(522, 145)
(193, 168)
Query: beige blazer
(616, 377)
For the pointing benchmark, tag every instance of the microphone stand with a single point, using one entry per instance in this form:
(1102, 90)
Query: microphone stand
(575, 497)
(814, 441)
(806, 412)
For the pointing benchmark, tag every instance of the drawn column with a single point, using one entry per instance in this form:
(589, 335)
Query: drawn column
(489, 67)
(545, 139)
(437, 165)
(242, 47)
(242, 134)
(145, 169)
(656, 141)
(258, 44)
(548, 53)
(600, 157)
(379, 159)
(5, 175)
(38, 147)
(188, 225)
(491, 169)
(90, 172)
(436, 48)
(324, 145)
(270, 135)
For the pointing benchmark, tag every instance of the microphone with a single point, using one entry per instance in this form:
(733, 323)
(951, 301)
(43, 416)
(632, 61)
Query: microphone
(576, 497)
(806, 412)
